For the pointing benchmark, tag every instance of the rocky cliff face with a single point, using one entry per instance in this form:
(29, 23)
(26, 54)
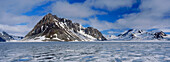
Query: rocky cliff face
(52, 28)
(2, 40)
(95, 33)
(137, 34)
(159, 35)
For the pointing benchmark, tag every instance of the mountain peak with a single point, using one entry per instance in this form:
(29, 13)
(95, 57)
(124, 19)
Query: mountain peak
(52, 28)
(49, 14)
(5, 33)
(49, 18)
(5, 36)
(135, 30)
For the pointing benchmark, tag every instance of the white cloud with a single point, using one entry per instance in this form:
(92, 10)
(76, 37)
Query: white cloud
(151, 16)
(79, 20)
(20, 6)
(16, 29)
(11, 11)
(9, 23)
(109, 4)
(13, 19)
(76, 10)
(155, 7)
(112, 32)
(100, 25)
(11, 15)
(165, 30)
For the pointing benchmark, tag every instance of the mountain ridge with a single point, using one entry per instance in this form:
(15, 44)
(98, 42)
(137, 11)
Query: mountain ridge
(138, 34)
(4, 36)
(52, 28)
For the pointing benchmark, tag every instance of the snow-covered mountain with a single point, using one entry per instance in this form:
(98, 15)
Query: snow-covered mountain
(52, 28)
(6, 37)
(137, 34)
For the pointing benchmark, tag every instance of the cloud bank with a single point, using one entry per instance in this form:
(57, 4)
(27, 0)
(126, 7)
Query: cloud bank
(154, 14)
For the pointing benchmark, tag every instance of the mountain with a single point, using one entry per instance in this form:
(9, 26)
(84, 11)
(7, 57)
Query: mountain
(52, 28)
(167, 37)
(137, 34)
(2, 40)
(6, 37)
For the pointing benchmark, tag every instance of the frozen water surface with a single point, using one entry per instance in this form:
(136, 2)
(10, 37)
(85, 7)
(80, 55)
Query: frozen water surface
(85, 52)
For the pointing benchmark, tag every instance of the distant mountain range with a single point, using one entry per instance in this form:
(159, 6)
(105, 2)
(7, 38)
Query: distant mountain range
(6, 37)
(137, 34)
(52, 28)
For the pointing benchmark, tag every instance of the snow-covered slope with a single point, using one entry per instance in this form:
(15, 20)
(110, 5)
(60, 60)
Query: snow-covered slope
(6, 37)
(112, 37)
(52, 28)
(137, 34)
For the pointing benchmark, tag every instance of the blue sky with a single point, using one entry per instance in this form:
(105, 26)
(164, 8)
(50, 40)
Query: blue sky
(109, 16)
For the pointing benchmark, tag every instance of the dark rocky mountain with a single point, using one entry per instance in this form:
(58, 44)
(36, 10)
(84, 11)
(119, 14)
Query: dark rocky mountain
(2, 40)
(52, 28)
(159, 35)
(6, 37)
(137, 34)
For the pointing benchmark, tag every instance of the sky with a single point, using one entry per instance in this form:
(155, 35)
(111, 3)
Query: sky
(18, 17)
